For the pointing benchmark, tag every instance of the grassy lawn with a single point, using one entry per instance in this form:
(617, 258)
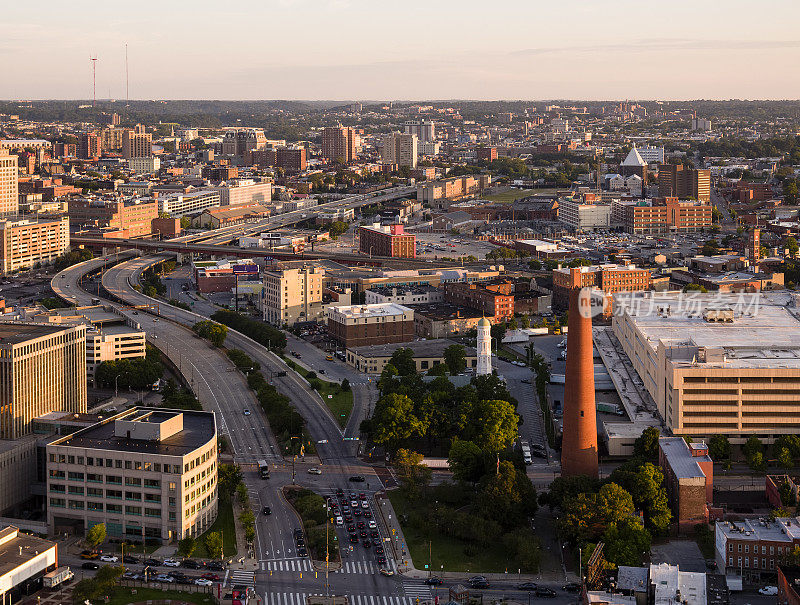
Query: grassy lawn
(123, 596)
(509, 355)
(225, 524)
(508, 196)
(341, 404)
(448, 551)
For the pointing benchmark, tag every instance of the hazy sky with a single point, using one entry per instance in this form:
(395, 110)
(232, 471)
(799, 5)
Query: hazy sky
(409, 49)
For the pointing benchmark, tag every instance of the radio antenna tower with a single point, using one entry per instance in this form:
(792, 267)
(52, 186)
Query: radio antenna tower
(94, 79)
(127, 89)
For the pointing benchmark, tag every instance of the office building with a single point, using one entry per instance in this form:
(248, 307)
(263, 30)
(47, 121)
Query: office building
(494, 300)
(701, 124)
(291, 159)
(9, 188)
(137, 143)
(651, 155)
(24, 560)
(689, 479)
(362, 325)
(28, 242)
(579, 455)
(404, 295)
(42, 369)
(339, 145)
(292, 296)
(427, 354)
(242, 141)
(399, 150)
(610, 278)
(181, 204)
(724, 364)
(146, 165)
(133, 216)
(425, 131)
(677, 180)
(661, 215)
(584, 215)
(389, 240)
(238, 192)
(147, 474)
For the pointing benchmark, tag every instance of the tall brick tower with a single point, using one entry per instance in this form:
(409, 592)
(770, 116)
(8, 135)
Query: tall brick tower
(579, 444)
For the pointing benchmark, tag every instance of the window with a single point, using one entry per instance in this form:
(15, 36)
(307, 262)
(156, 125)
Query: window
(172, 486)
(76, 489)
(133, 510)
(57, 488)
(133, 496)
(59, 502)
(152, 483)
(90, 461)
(152, 498)
(172, 516)
(740, 548)
(772, 550)
(70, 459)
(93, 491)
(148, 466)
(128, 465)
(152, 512)
(746, 548)
(157, 467)
(730, 561)
(114, 479)
(75, 476)
(133, 481)
(94, 478)
(58, 474)
(730, 547)
(95, 505)
(172, 501)
(117, 463)
(115, 494)
(763, 550)
(114, 509)
(76, 504)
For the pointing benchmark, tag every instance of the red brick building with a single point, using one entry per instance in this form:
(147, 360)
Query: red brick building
(608, 278)
(689, 479)
(387, 241)
(486, 154)
(494, 300)
(361, 325)
(292, 160)
(788, 584)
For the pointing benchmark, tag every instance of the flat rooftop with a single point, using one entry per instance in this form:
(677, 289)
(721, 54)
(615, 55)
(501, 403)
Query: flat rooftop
(13, 333)
(11, 557)
(764, 333)
(782, 529)
(374, 310)
(198, 428)
(445, 311)
(421, 348)
(680, 458)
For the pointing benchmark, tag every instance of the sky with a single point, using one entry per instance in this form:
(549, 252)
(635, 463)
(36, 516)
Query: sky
(409, 50)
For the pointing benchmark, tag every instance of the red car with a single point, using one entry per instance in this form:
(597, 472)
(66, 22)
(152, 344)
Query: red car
(211, 576)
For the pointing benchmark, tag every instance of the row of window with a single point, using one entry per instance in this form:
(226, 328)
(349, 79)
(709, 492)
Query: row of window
(135, 465)
(747, 560)
(110, 479)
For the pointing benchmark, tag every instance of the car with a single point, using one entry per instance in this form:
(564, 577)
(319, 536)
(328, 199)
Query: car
(172, 563)
(367, 514)
(365, 504)
(353, 539)
(366, 544)
(246, 412)
(525, 381)
(361, 525)
(357, 512)
(203, 582)
(477, 579)
(90, 565)
(386, 572)
(162, 577)
(362, 496)
(266, 510)
(130, 559)
(136, 313)
(190, 564)
(152, 562)
(211, 576)
(357, 479)
(215, 565)
(571, 586)
(372, 525)
(379, 550)
(299, 542)
(109, 558)
(314, 471)
(544, 591)
(768, 590)
(527, 586)
(479, 584)
(354, 503)
(363, 533)
(339, 493)
(374, 533)
(434, 581)
(302, 552)
(348, 518)
(351, 529)
(321, 371)
(381, 560)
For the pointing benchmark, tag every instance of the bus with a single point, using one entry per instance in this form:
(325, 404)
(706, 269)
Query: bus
(263, 469)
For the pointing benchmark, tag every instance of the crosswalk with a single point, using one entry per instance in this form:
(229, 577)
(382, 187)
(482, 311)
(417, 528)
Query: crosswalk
(417, 591)
(366, 567)
(240, 577)
(287, 565)
(299, 598)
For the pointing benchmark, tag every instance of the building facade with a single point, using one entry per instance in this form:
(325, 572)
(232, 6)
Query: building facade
(362, 325)
(339, 144)
(426, 354)
(148, 474)
(390, 240)
(494, 300)
(180, 204)
(9, 188)
(137, 143)
(245, 191)
(584, 216)
(689, 479)
(400, 150)
(609, 278)
(28, 242)
(292, 295)
(42, 369)
(132, 215)
(677, 180)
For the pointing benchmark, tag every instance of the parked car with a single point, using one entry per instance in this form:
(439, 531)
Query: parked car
(203, 582)
(191, 564)
(152, 562)
(215, 566)
(571, 587)
(527, 586)
(768, 590)
(357, 479)
(172, 563)
(211, 576)
(162, 577)
(130, 559)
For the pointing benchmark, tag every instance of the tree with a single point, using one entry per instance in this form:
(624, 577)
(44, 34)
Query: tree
(211, 331)
(394, 420)
(403, 360)
(495, 424)
(214, 544)
(506, 496)
(614, 504)
(792, 246)
(96, 535)
(466, 460)
(187, 546)
(345, 385)
(645, 483)
(498, 331)
(523, 545)
(413, 475)
(565, 489)
(756, 461)
(719, 448)
(625, 542)
(646, 444)
(337, 228)
(455, 358)
(785, 459)
(230, 475)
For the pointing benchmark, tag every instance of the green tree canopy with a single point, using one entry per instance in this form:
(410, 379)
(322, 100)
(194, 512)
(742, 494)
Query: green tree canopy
(96, 535)
(395, 420)
(466, 460)
(645, 483)
(494, 424)
(719, 448)
(455, 358)
(646, 444)
(413, 475)
(403, 360)
(211, 331)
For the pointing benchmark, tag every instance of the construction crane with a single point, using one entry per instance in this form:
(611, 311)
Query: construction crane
(94, 79)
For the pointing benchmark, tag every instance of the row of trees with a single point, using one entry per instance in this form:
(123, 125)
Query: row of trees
(212, 331)
(314, 512)
(72, 258)
(137, 374)
(259, 331)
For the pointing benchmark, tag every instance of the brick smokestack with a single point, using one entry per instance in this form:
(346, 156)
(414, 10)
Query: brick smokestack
(579, 444)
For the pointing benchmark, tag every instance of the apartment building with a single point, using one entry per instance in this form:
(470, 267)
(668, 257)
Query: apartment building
(689, 479)
(28, 242)
(237, 192)
(339, 144)
(89, 146)
(716, 364)
(147, 474)
(400, 150)
(42, 369)
(677, 180)
(9, 188)
(137, 143)
(146, 165)
(610, 278)
(360, 325)
(440, 194)
(486, 154)
(241, 141)
(291, 159)
(181, 204)
(493, 300)
(753, 547)
(389, 240)
(661, 215)
(291, 296)
(134, 215)
(425, 131)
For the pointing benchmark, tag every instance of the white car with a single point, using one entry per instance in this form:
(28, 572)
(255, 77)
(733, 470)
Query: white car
(373, 525)
(109, 558)
(172, 563)
(203, 582)
(339, 521)
(246, 412)
(768, 590)
(164, 578)
(314, 471)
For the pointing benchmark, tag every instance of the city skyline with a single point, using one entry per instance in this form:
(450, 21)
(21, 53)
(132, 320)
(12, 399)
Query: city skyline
(522, 52)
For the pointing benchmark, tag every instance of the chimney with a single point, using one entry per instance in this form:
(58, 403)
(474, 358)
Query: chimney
(579, 448)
